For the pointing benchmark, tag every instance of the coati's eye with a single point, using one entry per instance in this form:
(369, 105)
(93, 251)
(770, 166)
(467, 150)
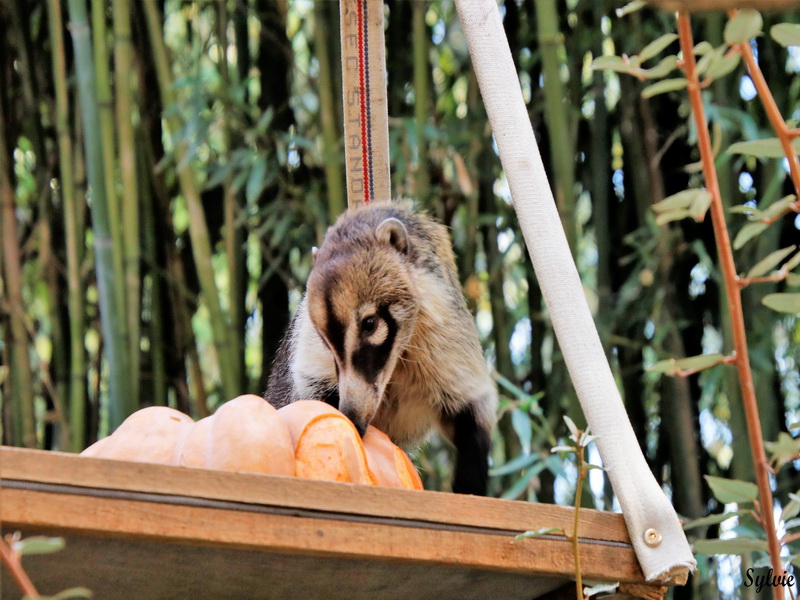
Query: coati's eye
(368, 325)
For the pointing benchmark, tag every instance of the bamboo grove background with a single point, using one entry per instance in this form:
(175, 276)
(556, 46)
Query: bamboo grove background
(166, 166)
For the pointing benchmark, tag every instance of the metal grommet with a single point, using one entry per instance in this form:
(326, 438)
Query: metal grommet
(652, 538)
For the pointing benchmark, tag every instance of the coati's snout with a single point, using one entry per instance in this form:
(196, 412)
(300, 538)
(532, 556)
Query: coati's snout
(361, 302)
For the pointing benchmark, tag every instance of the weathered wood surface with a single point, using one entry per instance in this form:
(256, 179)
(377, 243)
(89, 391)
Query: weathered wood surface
(125, 519)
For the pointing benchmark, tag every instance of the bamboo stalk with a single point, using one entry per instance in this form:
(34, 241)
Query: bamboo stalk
(120, 402)
(331, 148)
(105, 119)
(422, 70)
(126, 139)
(74, 244)
(198, 228)
(232, 234)
(556, 117)
(20, 375)
(733, 294)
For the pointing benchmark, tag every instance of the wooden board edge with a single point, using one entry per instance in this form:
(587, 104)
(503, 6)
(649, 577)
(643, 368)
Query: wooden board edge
(291, 492)
(168, 523)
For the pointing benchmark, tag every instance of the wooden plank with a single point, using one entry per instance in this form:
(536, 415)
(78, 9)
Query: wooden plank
(432, 507)
(142, 570)
(239, 529)
(723, 5)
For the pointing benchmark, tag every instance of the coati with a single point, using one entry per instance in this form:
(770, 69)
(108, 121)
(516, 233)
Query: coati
(384, 334)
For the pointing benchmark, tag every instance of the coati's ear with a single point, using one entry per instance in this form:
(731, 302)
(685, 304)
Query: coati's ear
(392, 231)
(314, 252)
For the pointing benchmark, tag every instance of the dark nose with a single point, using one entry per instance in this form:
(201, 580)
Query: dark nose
(359, 424)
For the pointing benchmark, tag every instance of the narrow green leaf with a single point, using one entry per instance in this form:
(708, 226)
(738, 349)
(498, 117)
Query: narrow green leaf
(764, 148)
(540, 532)
(682, 199)
(785, 450)
(713, 519)
(726, 64)
(663, 86)
(793, 279)
(779, 207)
(613, 63)
(665, 66)
(732, 490)
(738, 545)
(39, 545)
(700, 205)
(792, 262)
(673, 215)
(746, 209)
(769, 262)
(786, 34)
(515, 464)
(745, 25)
(573, 429)
(256, 180)
(705, 62)
(631, 7)
(747, 233)
(703, 48)
(792, 523)
(563, 449)
(700, 362)
(657, 46)
(76, 592)
(784, 303)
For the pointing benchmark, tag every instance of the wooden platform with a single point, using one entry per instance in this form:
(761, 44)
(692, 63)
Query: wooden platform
(136, 530)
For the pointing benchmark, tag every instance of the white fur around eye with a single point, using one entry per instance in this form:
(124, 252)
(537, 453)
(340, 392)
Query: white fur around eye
(380, 333)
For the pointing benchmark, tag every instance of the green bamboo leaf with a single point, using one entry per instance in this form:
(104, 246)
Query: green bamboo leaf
(521, 422)
(700, 362)
(764, 148)
(713, 519)
(784, 303)
(769, 262)
(39, 545)
(673, 215)
(540, 532)
(732, 490)
(631, 7)
(724, 65)
(747, 233)
(739, 545)
(657, 46)
(680, 200)
(786, 34)
(745, 25)
(256, 181)
(663, 86)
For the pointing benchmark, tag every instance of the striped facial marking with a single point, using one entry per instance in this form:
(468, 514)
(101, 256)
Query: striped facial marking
(375, 342)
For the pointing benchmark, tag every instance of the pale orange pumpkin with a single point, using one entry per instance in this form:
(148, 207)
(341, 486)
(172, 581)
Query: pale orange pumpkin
(306, 438)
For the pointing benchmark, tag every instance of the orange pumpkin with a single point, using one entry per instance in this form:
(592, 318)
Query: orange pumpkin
(326, 443)
(307, 438)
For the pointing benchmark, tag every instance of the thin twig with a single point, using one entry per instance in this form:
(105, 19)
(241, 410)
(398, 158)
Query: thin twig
(11, 560)
(733, 293)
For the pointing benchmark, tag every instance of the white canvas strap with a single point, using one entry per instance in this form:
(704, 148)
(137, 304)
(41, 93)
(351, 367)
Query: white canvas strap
(653, 525)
